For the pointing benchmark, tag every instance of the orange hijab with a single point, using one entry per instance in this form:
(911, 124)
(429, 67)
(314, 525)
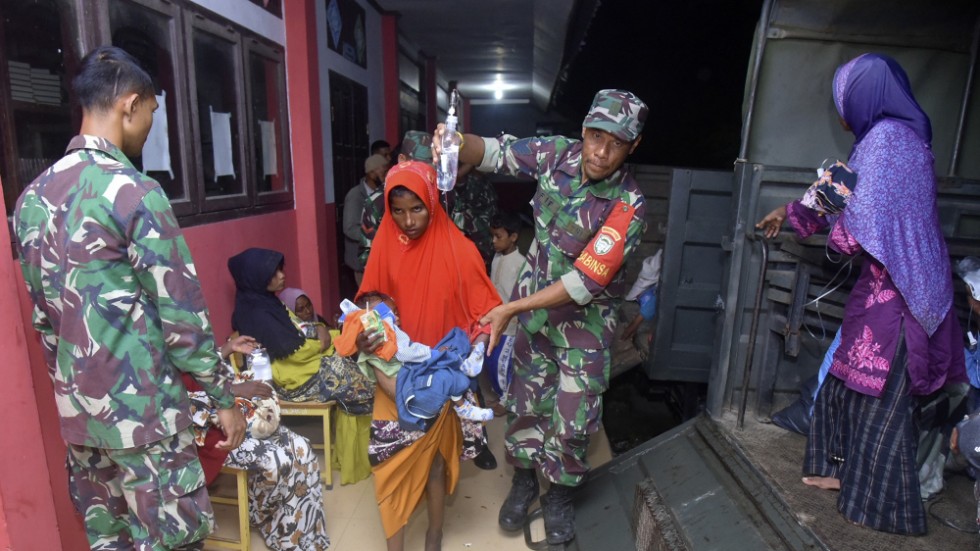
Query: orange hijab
(438, 280)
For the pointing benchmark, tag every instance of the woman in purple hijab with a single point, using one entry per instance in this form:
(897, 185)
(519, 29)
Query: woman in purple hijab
(900, 338)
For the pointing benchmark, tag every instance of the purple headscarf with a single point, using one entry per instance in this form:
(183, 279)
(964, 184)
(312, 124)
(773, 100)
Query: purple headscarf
(893, 213)
(873, 87)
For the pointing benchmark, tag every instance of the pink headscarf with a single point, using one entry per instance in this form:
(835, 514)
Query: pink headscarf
(289, 295)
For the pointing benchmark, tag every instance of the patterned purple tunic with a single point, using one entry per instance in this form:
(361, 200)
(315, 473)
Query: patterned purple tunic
(876, 314)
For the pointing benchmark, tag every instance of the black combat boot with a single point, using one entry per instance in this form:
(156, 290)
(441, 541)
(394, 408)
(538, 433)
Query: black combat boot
(523, 491)
(559, 517)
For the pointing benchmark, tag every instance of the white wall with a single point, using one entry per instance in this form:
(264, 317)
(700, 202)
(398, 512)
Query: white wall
(371, 78)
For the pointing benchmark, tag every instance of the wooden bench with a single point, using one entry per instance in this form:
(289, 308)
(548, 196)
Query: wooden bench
(240, 500)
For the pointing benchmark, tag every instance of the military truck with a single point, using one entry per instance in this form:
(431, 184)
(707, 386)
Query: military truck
(752, 318)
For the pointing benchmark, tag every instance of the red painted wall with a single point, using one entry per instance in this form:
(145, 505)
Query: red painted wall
(317, 267)
(212, 245)
(32, 464)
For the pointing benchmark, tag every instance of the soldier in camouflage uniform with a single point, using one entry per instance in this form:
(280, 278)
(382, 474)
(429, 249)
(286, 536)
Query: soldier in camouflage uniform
(474, 205)
(588, 213)
(121, 313)
(416, 146)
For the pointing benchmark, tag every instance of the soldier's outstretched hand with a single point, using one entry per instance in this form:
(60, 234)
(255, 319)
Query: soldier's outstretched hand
(498, 318)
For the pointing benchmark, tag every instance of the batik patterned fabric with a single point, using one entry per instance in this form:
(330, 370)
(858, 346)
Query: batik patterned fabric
(285, 499)
(337, 379)
(116, 299)
(474, 207)
(831, 192)
(388, 437)
(568, 212)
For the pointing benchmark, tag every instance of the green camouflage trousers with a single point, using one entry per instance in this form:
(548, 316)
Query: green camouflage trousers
(147, 498)
(554, 403)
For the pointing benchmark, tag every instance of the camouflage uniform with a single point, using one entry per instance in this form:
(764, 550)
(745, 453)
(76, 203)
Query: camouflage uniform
(561, 356)
(374, 209)
(120, 312)
(417, 146)
(101, 481)
(474, 206)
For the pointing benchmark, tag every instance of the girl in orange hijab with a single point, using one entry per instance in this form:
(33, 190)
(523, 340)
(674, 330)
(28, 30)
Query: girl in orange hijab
(438, 279)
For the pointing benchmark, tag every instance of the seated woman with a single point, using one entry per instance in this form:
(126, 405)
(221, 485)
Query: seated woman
(301, 370)
(285, 500)
(312, 324)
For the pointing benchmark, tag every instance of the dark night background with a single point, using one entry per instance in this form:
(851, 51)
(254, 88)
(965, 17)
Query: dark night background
(687, 60)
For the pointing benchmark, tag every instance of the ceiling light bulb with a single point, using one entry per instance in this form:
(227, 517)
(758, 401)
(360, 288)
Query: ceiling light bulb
(499, 94)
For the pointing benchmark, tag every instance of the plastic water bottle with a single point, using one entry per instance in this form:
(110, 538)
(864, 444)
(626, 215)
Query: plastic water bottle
(449, 159)
(260, 364)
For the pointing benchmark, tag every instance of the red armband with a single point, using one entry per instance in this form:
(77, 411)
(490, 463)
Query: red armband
(603, 256)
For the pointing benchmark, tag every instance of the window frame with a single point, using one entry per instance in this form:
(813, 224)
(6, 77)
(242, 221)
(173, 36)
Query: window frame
(184, 206)
(72, 36)
(276, 53)
(87, 26)
(195, 21)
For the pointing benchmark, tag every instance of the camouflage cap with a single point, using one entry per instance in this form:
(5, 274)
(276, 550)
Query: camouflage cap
(417, 146)
(618, 112)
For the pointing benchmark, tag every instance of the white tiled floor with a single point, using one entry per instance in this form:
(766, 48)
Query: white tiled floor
(353, 522)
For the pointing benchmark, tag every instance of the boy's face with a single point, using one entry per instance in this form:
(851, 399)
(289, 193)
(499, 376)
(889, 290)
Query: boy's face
(502, 241)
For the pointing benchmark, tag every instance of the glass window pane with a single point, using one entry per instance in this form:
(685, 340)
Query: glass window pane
(146, 35)
(408, 72)
(38, 90)
(266, 124)
(218, 110)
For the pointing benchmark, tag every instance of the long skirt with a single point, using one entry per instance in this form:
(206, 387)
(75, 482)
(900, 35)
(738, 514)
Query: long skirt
(285, 499)
(402, 459)
(870, 445)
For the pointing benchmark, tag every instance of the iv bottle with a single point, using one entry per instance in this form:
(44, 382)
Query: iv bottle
(260, 364)
(449, 159)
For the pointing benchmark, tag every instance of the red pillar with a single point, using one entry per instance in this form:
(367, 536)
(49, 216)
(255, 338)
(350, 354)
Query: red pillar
(317, 274)
(389, 55)
(30, 504)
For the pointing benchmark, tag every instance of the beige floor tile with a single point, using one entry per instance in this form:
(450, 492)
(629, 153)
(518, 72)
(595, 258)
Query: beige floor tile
(354, 524)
